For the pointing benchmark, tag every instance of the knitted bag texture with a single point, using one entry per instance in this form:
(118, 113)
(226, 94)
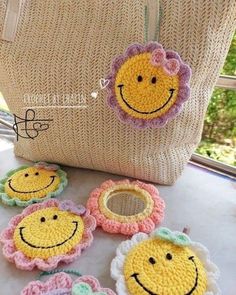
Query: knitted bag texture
(63, 48)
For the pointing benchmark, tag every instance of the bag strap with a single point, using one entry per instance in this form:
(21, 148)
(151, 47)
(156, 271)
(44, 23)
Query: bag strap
(153, 19)
(11, 20)
(14, 7)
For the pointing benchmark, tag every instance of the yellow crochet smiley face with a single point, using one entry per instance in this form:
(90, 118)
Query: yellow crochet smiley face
(31, 183)
(159, 267)
(48, 232)
(145, 91)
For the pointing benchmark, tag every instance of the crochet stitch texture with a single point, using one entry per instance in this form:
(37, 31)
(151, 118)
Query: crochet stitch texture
(131, 222)
(62, 284)
(50, 55)
(148, 85)
(31, 184)
(164, 263)
(47, 233)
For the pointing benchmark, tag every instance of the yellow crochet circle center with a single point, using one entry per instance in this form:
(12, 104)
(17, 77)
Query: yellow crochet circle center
(159, 267)
(136, 192)
(144, 91)
(31, 183)
(48, 232)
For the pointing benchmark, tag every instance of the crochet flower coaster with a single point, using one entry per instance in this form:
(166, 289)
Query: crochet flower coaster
(47, 233)
(126, 207)
(32, 184)
(148, 85)
(62, 284)
(164, 263)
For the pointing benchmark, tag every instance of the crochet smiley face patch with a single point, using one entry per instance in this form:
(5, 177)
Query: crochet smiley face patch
(164, 263)
(62, 284)
(31, 184)
(126, 207)
(148, 85)
(45, 234)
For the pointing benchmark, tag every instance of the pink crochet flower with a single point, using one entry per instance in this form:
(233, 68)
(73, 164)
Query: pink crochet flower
(62, 284)
(81, 227)
(144, 221)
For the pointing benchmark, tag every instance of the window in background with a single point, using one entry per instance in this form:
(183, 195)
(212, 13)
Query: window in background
(219, 132)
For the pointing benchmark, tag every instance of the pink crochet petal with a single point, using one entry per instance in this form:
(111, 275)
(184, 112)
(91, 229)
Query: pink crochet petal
(90, 222)
(59, 280)
(96, 193)
(172, 66)
(158, 57)
(107, 184)
(23, 262)
(129, 229)
(146, 226)
(111, 224)
(34, 288)
(63, 282)
(148, 187)
(100, 218)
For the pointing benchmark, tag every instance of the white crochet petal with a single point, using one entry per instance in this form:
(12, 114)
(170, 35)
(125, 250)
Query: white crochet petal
(212, 287)
(121, 286)
(211, 269)
(139, 238)
(126, 246)
(117, 266)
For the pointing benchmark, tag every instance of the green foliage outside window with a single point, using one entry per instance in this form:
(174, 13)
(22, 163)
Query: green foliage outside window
(219, 132)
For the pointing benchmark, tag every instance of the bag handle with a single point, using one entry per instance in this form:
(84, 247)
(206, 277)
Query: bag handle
(11, 20)
(153, 20)
(14, 7)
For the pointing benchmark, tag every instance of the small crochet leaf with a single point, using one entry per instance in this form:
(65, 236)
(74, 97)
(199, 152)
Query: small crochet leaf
(182, 240)
(84, 289)
(176, 238)
(164, 234)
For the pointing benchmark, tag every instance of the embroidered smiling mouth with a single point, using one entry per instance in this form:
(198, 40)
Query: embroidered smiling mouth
(28, 192)
(48, 247)
(151, 112)
(135, 276)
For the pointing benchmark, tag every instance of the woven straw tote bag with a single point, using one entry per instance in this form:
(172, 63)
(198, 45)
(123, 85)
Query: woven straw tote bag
(62, 48)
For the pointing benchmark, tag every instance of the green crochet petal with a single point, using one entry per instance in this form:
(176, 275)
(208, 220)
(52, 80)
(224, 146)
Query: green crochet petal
(176, 238)
(84, 289)
(164, 234)
(17, 202)
(182, 240)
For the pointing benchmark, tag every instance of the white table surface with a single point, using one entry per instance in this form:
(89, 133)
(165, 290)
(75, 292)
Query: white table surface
(203, 201)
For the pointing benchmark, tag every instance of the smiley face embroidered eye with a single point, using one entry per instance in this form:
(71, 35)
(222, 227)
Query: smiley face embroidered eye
(148, 85)
(46, 233)
(161, 259)
(31, 181)
(163, 264)
(31, 184)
